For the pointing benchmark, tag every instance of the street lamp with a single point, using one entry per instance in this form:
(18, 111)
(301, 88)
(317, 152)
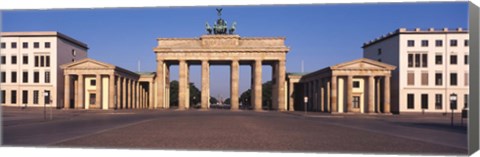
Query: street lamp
(45, 93)
(453, 105)
(305, 100)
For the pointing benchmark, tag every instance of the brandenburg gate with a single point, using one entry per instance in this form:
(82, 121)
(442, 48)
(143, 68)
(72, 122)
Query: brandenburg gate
(221, 47)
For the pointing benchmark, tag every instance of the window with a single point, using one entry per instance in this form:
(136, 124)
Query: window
(25, 97)
(3, 45)
(438, 43)
(379, 51)
(438, 79)
(36, 61)
(36, 45)
(438, 59)
(4, 59)
(356, 102)
(47, 76)
(424, 78)
(36, 77)
(25, 77)
(453, 79)
(2, 96)
(25, 45)
(356, 84)
(410, 101)
(417, 60)
(453, 43)
(465, 101)
(14, 59)
(410, 43)
(25, 59)
(47, 61)
(4, 77)
(13, 45)
(42, 61)
(424, 43)
(410, 60)
(93, 82)
(466, 79)
(438, 101)
(411, 78)
(74, 53)
(453, 59)
(13, 97)
(35, 97)
(465, 43)
(465, 59)
(424, 98)
(92, 98)
(47, 97)
(14, 77)
(424, 60)
(47, 44)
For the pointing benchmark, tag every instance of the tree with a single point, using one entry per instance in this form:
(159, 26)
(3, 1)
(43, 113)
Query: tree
(213, 100)
(245, 97)
(195, 94)
(227, 101)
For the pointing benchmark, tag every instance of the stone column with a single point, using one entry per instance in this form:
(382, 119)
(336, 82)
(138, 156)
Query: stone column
(75, 93)
(322, 95)
(98, 91)
(258, 85)
(371, 94)
(182, 85)
(111, 91)
(124, 93)
(160, 84)
(281, 75)
(66, 101)
(118, 93)
(234, 85)
(349, 93)
(387, 95)
(377, 106)
(291, 101)
(137, 96)
(129, 94)
(81, 91)
(328, 102)
(205, 84)
(140, 98)
(167, 89)
(150, 97)
(334, 94)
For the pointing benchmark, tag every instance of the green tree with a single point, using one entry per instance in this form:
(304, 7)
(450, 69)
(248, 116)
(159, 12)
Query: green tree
(195, 94)
(245, 97)
(213, 100)
(227, 101)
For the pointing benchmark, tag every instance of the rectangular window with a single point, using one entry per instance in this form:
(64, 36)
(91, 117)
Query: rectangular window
(42, 61)
(425, 78)
(36, 45)
(2, 96)
(356, 102)
(14, 59)
(411, 78)
(453, 79)
(13, 45)
(465, 43)
(36, 61)
(47, 97)
(424, 43)
(36, 77)
(410, 60)
(438, 43)
(438, 79)
(379, 51)
(410, 43)
(453, 43)
(438, 59)
(35, 97)
(410, 101)
(438, 101)
(13, 97)
(25, 77)
(47, 76)
(424, 60)
(417, 60)
(47, 61)
(453, 59)
(4, 59)
(465, 59)
(47, 44)
(25, 59)
(14, 77)
(356, 84)
(465, 101)
(93, 82)
(25, 45)
(3, 77)
(92, 98)
(3, 45)
(466, 79)
(25, 97)
(424, 101)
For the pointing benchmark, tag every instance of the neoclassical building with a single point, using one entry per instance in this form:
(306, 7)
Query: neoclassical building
(358, 86)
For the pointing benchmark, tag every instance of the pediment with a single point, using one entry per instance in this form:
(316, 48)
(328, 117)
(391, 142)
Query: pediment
(363, 63)
(88, 64)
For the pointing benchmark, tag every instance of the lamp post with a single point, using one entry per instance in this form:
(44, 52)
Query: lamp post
(305, 100)
(45, 93)
(453, 105)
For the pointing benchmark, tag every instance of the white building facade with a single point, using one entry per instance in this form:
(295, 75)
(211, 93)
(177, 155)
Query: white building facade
(432, 66)
(30, 67)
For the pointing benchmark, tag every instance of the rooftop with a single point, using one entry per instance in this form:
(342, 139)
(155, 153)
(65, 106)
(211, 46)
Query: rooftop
(44, 34)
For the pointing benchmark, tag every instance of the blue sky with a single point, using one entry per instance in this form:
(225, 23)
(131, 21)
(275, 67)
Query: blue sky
(320, 35)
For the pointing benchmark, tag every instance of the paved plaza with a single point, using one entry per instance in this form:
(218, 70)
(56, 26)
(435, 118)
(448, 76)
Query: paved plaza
(218, 129)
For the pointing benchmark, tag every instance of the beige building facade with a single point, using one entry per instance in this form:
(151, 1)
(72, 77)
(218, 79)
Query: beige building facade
(432, 66)
(29, 64)
(358, 86)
